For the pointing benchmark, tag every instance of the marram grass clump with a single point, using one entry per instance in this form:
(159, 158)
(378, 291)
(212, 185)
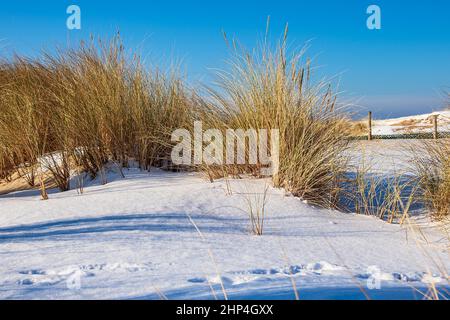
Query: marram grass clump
(271, 88)
(432, 166)
(84, 107)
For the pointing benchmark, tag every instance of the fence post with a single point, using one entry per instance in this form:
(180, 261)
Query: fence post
(369, 135)
(435, 125)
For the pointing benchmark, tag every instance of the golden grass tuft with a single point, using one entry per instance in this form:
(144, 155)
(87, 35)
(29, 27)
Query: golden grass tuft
(271, 88)
(85, 107)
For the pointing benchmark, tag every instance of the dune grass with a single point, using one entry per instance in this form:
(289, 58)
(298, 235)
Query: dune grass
(389, 198)
(84, 107)
(273, 88)
(432, 165)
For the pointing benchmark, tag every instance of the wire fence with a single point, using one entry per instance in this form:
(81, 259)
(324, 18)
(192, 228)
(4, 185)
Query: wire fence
(422, 135)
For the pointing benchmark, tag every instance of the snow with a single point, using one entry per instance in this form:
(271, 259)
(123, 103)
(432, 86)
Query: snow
(385, 157)
(133, 238)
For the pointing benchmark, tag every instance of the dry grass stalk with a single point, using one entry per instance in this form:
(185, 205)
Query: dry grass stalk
(432, 165)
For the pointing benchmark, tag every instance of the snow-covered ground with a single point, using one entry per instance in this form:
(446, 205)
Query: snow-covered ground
(412, 124)
(385, 157)
(177, 236)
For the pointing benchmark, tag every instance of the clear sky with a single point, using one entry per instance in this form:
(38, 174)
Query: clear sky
(399, 70)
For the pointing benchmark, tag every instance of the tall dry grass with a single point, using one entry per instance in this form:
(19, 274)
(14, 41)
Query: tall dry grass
(256, 201)
(84, 107)
(432, 165)
(273, 88)
(25, 117)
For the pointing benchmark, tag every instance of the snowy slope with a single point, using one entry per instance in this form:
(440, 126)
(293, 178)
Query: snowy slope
(133, 238)
(412, 124)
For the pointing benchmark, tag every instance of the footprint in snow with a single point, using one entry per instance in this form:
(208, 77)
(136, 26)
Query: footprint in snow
(213, 280)
(25, 282)
(33, 272)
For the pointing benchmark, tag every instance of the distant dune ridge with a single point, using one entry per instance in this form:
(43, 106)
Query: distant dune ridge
(410, 124)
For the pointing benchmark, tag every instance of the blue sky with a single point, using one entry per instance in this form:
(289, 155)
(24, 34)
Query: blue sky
(399, 70)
